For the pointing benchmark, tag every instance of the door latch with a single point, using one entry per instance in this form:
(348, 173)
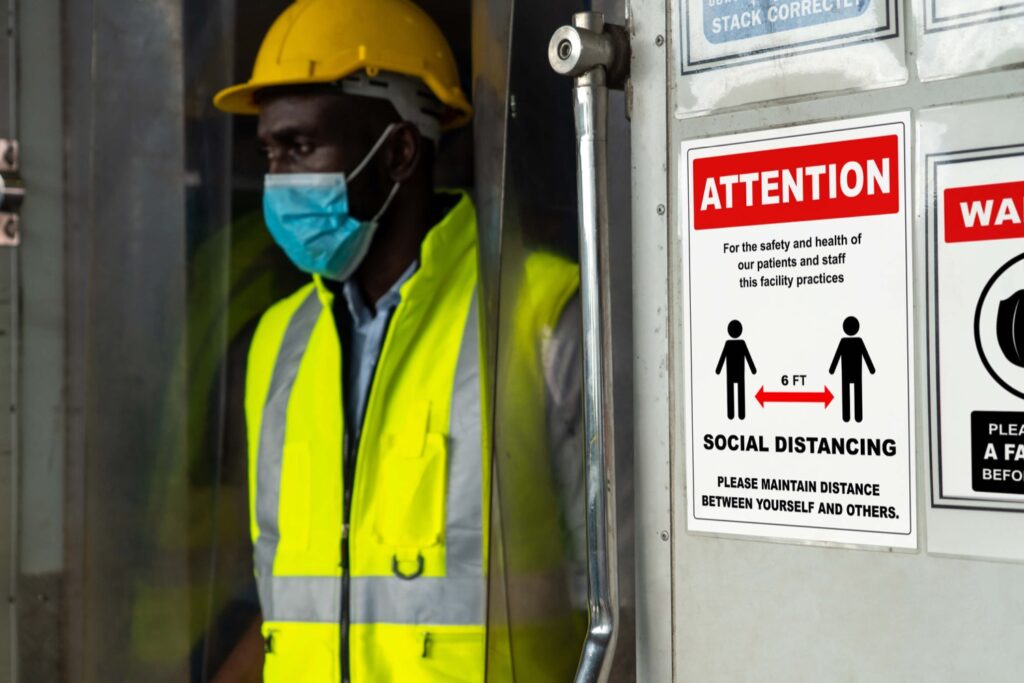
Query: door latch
(12, 193)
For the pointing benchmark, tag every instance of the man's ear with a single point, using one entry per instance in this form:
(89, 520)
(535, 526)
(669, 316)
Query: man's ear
(404, 151)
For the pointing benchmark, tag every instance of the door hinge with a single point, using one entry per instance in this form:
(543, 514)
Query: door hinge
(12, 194)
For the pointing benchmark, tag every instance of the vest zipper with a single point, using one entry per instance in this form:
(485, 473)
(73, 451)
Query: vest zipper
(350, 446)
(348, 477)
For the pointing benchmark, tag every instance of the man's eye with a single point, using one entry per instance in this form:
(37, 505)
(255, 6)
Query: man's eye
(304, 148)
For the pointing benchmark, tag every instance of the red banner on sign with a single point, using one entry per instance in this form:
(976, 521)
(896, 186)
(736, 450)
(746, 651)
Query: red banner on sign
(791, 184)
(984, 212)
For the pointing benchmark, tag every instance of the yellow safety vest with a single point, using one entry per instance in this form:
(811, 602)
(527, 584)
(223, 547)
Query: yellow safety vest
(411, 605)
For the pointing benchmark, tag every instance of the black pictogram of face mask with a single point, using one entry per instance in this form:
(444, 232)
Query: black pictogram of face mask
(1010, 328)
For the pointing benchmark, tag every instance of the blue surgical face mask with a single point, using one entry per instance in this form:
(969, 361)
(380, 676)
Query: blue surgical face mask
(308, 216)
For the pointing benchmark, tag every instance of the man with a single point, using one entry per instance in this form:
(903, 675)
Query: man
(851, 357)
(735, 358)
(369, 475)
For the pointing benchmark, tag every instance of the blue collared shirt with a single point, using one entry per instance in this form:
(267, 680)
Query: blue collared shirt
(369, 328)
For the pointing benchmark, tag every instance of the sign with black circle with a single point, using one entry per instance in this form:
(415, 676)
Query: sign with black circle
(975, 235)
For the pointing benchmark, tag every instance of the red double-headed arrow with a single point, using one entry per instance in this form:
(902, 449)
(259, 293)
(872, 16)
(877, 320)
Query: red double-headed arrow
(824, 397)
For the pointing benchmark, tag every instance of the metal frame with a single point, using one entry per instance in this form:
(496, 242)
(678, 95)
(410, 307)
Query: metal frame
(648, 101)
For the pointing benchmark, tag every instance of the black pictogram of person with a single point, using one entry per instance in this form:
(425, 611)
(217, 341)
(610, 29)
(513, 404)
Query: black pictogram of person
(735, 358)
(854, 356)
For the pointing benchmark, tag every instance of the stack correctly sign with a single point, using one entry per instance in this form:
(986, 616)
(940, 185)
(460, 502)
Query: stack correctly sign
(798, 378)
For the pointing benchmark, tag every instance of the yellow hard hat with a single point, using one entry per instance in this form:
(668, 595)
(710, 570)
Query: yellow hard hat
(323, 41)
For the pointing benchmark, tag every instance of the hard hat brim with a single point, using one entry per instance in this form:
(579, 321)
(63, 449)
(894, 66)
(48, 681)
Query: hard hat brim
(240, 99)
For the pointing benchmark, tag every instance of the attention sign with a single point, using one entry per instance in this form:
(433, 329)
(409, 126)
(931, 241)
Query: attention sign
(798, 334)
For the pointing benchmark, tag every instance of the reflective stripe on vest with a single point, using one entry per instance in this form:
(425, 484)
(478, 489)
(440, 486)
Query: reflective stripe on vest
(271, 447)
(444, 601)
(455, 599)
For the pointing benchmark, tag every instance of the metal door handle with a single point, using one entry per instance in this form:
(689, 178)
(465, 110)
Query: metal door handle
(597, 56)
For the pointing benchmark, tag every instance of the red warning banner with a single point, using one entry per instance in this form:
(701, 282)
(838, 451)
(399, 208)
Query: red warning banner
(984, 212)
(842, 179)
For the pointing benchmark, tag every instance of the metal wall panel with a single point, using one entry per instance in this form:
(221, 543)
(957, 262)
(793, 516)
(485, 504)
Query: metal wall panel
(8, 69)
(8, 384)
(747, 610)
(41, 413)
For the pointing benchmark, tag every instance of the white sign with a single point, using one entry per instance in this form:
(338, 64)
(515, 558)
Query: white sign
(948, 14)
(963, 36)
(733, 52)
(798, 333)
(725, 33)
(975, 231)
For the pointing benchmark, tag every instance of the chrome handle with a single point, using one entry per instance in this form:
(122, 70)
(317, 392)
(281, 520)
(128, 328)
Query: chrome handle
(597, 56)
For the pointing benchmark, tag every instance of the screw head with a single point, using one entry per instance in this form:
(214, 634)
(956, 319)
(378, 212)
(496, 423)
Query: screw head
(659, 40)
(565, 49)
(664, 535)
(661, 209)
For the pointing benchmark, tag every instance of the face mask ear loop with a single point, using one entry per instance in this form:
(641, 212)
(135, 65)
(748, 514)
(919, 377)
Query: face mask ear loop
(373, 151)
(387, 203)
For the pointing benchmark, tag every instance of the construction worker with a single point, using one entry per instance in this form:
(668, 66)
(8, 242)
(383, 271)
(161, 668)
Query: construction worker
(367, 424)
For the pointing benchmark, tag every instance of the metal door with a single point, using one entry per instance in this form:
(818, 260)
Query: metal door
(724, 606)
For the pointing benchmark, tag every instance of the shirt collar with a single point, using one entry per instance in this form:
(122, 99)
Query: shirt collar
(361, 313)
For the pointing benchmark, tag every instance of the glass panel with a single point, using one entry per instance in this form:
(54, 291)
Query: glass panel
(170, 269)
(526, 172)
(538, 585)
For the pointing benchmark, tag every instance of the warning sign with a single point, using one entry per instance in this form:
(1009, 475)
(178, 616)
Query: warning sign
(798, 333)
(975, 228)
